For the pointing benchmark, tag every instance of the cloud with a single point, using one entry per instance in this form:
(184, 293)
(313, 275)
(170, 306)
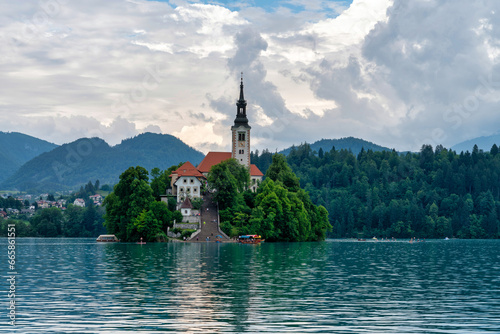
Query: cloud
(62, 129)
(434, 56)
(394, 72)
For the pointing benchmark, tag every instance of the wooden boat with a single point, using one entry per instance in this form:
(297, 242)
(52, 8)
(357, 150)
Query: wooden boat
(250, 239)
(107, 238)
(361, 239)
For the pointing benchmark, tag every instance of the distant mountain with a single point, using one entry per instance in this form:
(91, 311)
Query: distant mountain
(90, 159)
(349, 143)
(483, 143)
(16, 149)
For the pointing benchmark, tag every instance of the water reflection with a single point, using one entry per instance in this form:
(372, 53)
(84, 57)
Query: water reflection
(78, 286)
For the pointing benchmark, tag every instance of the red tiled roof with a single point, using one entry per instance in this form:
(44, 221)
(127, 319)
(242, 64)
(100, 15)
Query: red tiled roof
(211, 159)
(187, 170)
(255, 171)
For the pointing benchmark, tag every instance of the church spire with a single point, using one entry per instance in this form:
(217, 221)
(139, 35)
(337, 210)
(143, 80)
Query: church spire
(241, 112)
(242, 99)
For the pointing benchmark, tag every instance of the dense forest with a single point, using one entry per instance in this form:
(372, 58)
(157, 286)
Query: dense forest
(134, 211)
(279, 211)
(74, 221)
(53, 222)
(434, 193)
(355, 145)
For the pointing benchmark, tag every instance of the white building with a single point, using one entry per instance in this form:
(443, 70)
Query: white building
(186, 182)
(79, 202)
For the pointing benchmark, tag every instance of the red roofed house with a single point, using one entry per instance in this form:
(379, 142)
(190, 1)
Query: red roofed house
(187, 180)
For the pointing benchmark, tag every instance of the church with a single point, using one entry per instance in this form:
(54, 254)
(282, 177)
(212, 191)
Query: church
(187, 180)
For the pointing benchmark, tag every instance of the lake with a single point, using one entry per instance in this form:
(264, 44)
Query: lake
(336, 286)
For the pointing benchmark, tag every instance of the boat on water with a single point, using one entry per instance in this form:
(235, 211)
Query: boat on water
(359, 239)
(250, 239)
(107, 238)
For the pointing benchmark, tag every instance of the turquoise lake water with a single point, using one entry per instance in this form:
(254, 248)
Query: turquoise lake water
(80, 286)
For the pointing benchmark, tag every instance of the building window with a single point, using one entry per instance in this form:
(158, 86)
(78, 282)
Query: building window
(195, 189)
(241, 136)
(191, 180)
(185, 181)
(241, 151)
(181, 189)
(188, 190)
(186, 211)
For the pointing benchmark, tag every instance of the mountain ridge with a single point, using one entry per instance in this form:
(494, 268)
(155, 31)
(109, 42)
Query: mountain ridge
(17, 149)
(74, 164)
(483, 143)
(348, 143)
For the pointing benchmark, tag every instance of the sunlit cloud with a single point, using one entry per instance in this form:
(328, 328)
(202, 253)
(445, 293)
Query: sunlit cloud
(396, 73)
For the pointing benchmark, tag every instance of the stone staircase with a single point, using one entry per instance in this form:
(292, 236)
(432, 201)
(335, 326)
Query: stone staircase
(209, 221)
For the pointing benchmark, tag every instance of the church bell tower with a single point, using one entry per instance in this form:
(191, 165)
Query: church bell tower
(241, 131)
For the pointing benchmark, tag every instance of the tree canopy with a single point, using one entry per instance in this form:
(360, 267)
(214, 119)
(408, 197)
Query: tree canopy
(132, 212)
(228, 179)
(433, 193)
(279, 211)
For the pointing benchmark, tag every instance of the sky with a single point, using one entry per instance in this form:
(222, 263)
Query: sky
(397, 73)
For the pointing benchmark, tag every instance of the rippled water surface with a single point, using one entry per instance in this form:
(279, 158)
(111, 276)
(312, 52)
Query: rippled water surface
(79, 286)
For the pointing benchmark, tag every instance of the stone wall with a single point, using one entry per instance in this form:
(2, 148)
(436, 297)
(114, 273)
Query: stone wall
(173, 235)
(193, 226)
(191, 219)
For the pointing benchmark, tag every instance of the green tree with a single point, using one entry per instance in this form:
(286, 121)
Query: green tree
(160, 180)
(280, 171)
(494, 150)
(132, 212)
(48, 222)
(131, 196)
(197, 202)
(228, 179)
(280, 211)
(476, 228)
